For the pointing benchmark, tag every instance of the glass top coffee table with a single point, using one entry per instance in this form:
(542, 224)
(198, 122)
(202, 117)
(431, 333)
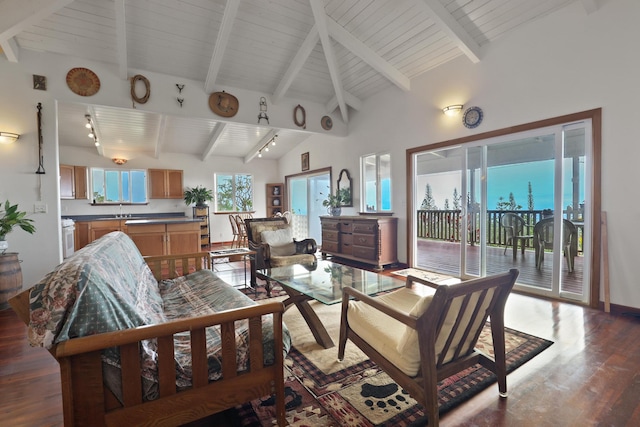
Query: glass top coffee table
(323, 282)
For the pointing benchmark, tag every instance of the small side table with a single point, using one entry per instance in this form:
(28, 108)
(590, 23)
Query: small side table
(245, 253)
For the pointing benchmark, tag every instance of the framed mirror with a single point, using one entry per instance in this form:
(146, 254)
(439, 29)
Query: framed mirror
(345, 188)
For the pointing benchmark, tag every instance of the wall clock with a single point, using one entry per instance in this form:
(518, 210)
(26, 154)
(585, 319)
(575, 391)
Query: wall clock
(472, 117)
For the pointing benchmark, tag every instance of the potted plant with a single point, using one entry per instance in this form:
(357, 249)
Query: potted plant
(11, 217)
(198, 195)
(334, 202)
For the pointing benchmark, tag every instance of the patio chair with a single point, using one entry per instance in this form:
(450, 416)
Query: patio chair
(514, 227)
(543, 240)
(420, 338)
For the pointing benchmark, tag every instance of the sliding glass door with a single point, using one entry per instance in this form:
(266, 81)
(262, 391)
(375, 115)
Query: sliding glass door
(306, 193)
(513, 201)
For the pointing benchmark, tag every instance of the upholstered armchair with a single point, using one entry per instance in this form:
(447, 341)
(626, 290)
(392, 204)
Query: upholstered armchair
(272, 239)
(422, 336)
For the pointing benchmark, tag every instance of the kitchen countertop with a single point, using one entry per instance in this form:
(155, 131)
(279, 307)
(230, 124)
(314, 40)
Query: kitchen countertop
(129, 217)
(161, 221)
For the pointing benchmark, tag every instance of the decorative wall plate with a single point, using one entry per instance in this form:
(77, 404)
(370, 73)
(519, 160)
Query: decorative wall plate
(83, 81)
(223, 104)
(326, 123)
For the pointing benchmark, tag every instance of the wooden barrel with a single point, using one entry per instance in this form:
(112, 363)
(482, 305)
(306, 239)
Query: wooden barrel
(10, 278)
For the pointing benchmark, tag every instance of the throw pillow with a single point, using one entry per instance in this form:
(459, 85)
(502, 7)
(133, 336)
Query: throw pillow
(280, 241)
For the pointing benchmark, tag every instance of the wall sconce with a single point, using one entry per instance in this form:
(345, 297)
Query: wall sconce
(119, 161)
(8, 137)
(452, 110)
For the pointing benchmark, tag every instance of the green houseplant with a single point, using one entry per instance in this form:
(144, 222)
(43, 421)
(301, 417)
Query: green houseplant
(198, 195)
(334, 202)
(11, 217)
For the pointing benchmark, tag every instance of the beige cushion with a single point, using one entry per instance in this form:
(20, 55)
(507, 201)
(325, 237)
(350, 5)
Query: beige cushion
(257, 229)
(280, 241)
(279, 261)
(383, 332)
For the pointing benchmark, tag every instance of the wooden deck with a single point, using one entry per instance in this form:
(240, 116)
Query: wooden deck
(444, 257)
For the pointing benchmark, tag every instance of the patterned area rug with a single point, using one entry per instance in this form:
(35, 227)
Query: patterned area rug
(321, 391)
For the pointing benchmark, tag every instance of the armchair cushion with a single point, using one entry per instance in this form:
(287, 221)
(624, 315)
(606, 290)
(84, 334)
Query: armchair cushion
(381, 330)
(280, 241)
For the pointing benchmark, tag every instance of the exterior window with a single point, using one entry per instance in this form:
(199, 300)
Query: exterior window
(118, 186)
(234, 193)
(375, 171)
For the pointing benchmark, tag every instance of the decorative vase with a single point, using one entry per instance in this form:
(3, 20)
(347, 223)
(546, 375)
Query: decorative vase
(335, 211)
(4, 245)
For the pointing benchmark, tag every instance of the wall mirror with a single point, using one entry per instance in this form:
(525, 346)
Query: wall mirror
(345, 188)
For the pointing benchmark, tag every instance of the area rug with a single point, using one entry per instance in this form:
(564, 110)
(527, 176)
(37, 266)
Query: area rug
(321, 391)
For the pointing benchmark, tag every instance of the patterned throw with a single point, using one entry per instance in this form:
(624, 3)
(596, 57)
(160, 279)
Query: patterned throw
(324, 392)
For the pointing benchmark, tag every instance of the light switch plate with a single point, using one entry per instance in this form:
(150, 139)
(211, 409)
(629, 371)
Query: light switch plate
(40, 207)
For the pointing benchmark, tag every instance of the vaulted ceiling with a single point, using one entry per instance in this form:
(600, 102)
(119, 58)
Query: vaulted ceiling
(333, 52)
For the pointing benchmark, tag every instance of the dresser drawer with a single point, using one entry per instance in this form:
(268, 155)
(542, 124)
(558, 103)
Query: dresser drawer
(346, 238)
(330, 235)
(330, 247)
(330, 225)
(346, 249)
(368, 227)
(345, 227)
(364, 240)
(364, 252)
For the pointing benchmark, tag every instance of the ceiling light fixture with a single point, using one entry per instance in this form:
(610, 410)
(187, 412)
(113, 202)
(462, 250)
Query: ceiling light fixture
(92, 134)
(452, 110)
(119, 161)
(8, 137)
(265, 147)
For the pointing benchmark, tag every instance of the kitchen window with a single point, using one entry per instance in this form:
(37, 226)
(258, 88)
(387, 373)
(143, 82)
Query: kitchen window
(118, 186)
(234, 192)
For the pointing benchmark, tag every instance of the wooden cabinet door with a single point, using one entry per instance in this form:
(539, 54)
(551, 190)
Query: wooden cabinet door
(67, 182)
(157, 185)
(174, 184)
(150, 244)
(80, 182)
(183, 238)
(81, 236)
(100, 228)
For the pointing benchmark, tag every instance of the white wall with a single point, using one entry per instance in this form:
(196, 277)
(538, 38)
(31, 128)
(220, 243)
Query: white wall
(567, 62)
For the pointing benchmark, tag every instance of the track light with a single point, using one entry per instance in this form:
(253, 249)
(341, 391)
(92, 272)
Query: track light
(92, 133)
(265, 147)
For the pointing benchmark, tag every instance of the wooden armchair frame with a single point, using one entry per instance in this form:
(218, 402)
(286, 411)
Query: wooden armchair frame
(87, 401)
(490, 292)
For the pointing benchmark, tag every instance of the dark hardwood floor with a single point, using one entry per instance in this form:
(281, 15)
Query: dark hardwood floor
(589, 376)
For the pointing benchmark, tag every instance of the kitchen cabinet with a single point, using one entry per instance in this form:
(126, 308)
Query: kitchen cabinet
(165, 238)
(73, 182)
(81, 234)
(165, 183)
(275, 199)
(100, 228)
(370, 240)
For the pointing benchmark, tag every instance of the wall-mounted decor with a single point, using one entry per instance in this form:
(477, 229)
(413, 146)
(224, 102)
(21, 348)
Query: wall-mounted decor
(263, 110)
(83, 81)
(180, 100)
(39, 82)
(300, 116)
(223, 104)
(326, 123)
(344, 189)
(147, 86)
(40, 170)
(472, 117)
(305, 161)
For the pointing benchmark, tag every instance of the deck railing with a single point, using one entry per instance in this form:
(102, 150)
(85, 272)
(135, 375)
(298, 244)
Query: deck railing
(446, 225)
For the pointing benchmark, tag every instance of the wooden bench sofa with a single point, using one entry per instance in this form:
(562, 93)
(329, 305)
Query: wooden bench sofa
(148, 359)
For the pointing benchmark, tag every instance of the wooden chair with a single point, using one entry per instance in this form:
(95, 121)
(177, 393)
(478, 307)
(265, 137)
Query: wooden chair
(543, 240)
(242, 232)
(420, 339)
(234, 230)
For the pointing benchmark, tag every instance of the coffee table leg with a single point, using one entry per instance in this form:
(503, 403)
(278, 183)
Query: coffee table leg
(315, 325)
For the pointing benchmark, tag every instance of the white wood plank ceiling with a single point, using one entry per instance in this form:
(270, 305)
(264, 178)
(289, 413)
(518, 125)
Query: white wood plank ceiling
(334, 52)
